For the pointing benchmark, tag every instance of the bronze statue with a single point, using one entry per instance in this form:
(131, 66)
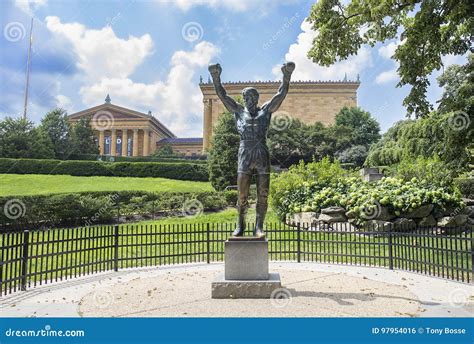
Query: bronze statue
(252, 124)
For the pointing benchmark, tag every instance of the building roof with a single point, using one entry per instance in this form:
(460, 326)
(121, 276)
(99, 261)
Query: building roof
(181, 140)
(270, 82)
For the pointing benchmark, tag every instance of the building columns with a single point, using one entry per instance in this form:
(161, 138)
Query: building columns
(124, 142)
(101, 142)
(207, 125)
(135, 142)
(113, 142)
(146, 141)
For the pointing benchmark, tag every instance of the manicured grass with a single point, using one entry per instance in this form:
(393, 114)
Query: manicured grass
(33, 184)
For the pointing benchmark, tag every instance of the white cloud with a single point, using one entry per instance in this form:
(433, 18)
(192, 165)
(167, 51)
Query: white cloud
(176, 101)
(29, 6)
(387, 76)
(100, 52)
(308, 70)
(388, 50)
(235, 5)
(64, 102)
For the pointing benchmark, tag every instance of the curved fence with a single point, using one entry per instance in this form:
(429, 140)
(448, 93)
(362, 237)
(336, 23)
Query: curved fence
(35, 257)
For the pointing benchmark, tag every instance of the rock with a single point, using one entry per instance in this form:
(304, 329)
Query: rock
(469, 211)
(373, 177)
(452, 221)
(384, 214)
(421, 211)
(303, 217)
(368, 170)
(333, 210)
(377, 226)
(439, 212)
(331, 218)
(428, 221)
(351, 214)
(342, 227)
(468, 201)
(403, 224)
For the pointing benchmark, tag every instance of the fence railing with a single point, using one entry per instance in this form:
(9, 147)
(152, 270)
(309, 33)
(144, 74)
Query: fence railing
(35, 257)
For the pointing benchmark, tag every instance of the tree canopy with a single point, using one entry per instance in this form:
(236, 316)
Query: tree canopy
(426, 29)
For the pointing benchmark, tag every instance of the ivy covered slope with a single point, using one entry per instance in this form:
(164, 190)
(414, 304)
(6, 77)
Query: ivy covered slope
(314, 186)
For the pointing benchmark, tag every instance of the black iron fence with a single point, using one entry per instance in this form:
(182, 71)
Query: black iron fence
(35, 257)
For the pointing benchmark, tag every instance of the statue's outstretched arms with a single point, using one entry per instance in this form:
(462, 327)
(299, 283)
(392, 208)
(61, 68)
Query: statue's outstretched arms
(273, 104)
(229, 103)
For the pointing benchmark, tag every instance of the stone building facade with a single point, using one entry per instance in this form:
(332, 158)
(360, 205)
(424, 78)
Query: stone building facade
(308, 101)
(188, 146)
(124, 132)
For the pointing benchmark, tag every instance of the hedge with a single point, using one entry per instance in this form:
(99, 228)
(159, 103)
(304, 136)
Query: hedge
(181, 171)
(201, 159)
(466, 186)
(88, 208)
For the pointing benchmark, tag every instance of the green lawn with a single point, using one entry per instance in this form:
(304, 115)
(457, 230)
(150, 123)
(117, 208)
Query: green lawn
(33, 184)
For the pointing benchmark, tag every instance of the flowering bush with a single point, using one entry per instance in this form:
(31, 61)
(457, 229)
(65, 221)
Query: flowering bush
(318, 185)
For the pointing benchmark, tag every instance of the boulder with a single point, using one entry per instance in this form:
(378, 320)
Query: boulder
(469, 211)
(342, 227)
(331, 218)
(420, 212)
(468, 201)
(439, 212)
(428, 221)
(384, 214)
(452, 221)
(376, 226)
(333, 211)
(306, 217)
(403, 224)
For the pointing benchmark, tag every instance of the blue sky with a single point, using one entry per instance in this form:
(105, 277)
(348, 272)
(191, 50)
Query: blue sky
(149, 55)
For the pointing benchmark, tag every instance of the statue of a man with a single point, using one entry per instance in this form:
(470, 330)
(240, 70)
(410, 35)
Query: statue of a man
(252, 124)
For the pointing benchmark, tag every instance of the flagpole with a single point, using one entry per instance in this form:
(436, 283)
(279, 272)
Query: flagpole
(28, 71)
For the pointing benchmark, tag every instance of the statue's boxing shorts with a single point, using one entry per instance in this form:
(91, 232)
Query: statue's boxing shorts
(253, 157)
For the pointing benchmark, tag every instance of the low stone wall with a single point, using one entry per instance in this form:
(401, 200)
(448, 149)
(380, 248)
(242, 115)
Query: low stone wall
(449, 221)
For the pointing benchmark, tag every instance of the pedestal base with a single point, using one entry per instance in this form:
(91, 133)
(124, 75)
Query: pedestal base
(245, 289)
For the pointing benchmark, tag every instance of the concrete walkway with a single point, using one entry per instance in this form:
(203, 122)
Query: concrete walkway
(184, 290)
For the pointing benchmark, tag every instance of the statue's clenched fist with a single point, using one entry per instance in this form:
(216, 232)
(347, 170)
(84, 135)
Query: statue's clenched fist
(215, 69)
(288, 68)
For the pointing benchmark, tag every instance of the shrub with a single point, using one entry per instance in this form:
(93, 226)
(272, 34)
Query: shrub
(101, 207)
(181, 171)
(465, 184)
(424, 169)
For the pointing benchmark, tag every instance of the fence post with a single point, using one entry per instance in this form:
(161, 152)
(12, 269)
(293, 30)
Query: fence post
(116, 246)
(298, 243)
(208, 244)
(24, 259)
(390, 248)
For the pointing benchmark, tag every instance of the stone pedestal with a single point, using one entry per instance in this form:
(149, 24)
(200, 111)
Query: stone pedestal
(246, 270)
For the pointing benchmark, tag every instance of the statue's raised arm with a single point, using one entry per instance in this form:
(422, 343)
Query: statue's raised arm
(229, 103)
(273, 104)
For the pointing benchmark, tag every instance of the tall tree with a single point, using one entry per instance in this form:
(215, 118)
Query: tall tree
(82, 138)
(20, 139)
(365, 128)
(222, 156)
(56, 125)
(427, 30)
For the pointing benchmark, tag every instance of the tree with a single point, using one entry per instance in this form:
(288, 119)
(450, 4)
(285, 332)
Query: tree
(56, 125)
(365, 129)
(427, 30)
(222, 156)
(82, 137)
(354, 154)
(458, 84)
(20, 139)
(165, 150)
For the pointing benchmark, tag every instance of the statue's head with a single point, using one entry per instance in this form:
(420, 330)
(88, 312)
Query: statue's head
(250, 95)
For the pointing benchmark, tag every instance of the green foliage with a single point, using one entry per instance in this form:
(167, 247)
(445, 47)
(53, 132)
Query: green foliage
(323, 184)
(164, 151)
(428, 29)
(222, 156)
(101, 207)
(20, 139)
(82, 138)
(424, 169)
(56, 125)
(180, 171)
(465, 184)
(108, 158)
(354, 154)
(426, 137)
(353, 127)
